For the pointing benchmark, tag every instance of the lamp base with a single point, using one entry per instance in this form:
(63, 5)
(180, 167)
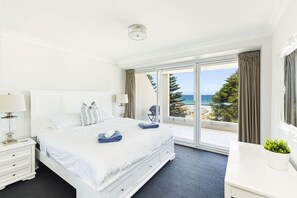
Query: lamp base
(9, 140)
(122, 106)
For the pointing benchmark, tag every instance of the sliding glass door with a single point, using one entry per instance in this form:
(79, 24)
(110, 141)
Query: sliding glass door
(198, 101)
(218, 94)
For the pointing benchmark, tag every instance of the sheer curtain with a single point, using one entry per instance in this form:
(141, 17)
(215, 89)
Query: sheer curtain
(290, 93)
(130, 90)
(249, 97)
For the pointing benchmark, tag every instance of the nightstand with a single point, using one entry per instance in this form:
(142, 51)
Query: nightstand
(17, 162)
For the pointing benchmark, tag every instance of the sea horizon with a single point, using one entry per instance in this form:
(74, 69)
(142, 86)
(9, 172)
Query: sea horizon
(189, 99)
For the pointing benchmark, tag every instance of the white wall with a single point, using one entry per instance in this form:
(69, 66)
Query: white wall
(25, 66)
(145, 96)
(286, 28)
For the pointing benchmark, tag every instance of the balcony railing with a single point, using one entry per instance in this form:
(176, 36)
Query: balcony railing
(209, 124)
(218, 125)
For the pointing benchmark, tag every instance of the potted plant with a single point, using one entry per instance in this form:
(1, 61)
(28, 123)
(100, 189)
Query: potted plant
(277, 153)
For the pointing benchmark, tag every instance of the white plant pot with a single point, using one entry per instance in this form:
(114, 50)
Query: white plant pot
(277, 161)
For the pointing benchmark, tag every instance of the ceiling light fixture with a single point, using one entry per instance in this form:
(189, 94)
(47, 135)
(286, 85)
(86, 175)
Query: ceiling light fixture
(137, 32)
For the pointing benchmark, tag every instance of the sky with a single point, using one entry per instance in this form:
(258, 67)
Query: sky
(211, 80)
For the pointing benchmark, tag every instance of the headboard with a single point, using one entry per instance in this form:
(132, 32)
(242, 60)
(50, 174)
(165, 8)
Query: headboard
(45, 103)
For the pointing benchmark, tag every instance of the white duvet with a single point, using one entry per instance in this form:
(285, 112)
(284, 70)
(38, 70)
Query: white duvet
(77, 148)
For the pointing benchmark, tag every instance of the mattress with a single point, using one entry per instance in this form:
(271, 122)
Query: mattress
(76, 148)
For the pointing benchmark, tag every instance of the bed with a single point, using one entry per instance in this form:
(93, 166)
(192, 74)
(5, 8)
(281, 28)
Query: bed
(97, 170)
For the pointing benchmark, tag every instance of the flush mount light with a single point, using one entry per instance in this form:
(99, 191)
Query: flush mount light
(137, 32)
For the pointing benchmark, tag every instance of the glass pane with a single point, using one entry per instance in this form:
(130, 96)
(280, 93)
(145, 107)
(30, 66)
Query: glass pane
(178, 102)
(219, 104)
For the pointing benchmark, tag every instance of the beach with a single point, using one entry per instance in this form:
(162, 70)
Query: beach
(204, 111)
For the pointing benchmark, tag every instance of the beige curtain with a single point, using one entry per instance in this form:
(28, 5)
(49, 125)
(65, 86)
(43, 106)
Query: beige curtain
(249, 97)
(130, 90)
(290, 108)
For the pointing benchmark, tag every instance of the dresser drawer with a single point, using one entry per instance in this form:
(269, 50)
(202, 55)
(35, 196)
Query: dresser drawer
(15, 153)
(14, 163)
(148, 168)
(14, 174)
(122, 188)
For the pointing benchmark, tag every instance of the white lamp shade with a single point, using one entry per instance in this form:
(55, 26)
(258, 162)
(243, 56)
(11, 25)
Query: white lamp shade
(122, 98)
(12, 103)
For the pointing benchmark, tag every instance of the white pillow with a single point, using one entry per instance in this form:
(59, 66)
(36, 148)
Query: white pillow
(64, 120)
(90, 115)
(105, 115)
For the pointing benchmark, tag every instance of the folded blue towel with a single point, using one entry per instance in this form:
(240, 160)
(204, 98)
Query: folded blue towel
(148, 126)
(114, 138)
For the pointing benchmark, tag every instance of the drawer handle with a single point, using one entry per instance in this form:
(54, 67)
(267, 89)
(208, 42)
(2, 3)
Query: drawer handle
(13, 165)
(13, 155)
(151, 166)
(122, 189)
(13, 175)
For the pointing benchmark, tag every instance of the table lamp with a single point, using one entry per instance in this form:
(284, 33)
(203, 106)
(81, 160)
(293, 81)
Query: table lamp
(10, 104)
(122, 99)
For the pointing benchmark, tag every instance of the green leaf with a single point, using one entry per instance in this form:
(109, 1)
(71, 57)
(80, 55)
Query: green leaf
(277, 146)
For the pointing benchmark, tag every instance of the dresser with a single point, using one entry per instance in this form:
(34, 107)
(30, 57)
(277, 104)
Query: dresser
(17, 162)
(248, 176)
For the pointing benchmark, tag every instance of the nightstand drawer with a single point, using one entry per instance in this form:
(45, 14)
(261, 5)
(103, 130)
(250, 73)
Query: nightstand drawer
(15, 153)
(17, 162)
(14, 163)
(16, 173)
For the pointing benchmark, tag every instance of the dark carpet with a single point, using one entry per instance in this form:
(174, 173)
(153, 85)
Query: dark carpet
(192, 174)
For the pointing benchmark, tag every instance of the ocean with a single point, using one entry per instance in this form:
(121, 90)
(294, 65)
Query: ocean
(189, 99)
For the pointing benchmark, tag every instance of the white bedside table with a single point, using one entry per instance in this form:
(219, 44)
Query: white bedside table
(17, 162)
(248, 176)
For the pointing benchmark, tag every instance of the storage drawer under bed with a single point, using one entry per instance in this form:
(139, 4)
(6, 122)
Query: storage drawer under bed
(121, 188)
(165, 153)
(147, 168)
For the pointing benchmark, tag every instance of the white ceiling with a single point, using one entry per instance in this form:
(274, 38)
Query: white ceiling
(99, 27)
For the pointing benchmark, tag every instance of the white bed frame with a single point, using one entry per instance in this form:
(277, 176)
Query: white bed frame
(45, 103)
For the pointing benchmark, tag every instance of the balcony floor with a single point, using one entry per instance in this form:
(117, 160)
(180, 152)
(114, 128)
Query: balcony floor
(209, 136)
